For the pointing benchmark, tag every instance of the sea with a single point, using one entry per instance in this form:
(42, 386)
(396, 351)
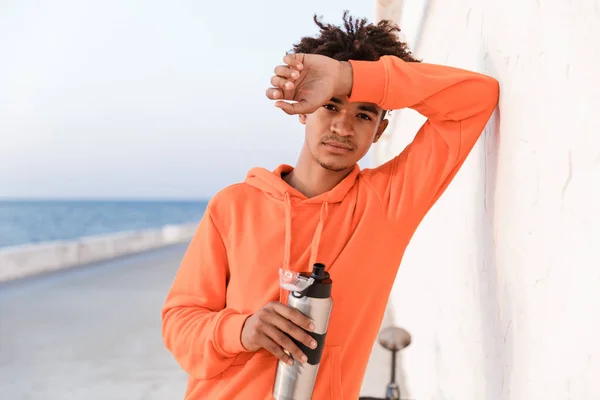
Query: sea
(37, 221)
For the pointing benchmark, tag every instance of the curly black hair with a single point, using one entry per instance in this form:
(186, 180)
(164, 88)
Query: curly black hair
(357, 40)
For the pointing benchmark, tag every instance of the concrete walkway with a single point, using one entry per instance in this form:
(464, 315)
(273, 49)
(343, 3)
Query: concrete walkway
(94, 333)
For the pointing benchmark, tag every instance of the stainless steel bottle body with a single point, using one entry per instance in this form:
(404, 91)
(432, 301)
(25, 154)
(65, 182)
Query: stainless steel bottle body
(296, 382)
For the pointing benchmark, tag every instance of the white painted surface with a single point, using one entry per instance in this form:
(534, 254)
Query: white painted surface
(21, 261)
(500, 287)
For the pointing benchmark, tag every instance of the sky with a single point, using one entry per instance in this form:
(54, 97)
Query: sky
(146, 99)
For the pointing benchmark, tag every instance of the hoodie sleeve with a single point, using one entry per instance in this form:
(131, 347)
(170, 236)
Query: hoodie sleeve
(457, 104)
(203, 334)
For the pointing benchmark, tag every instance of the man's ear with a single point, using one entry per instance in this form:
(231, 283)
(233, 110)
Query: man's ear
(302, 118)
(382, 125)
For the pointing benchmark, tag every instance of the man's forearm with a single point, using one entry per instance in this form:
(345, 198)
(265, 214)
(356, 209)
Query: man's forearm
(433, 90)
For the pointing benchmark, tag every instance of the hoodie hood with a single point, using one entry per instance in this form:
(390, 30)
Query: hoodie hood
(272, 184)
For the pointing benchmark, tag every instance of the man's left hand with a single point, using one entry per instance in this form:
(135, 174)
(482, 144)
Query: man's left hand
(310, 81)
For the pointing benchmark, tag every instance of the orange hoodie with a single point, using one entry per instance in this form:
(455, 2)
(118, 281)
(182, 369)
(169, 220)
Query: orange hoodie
(359, 230)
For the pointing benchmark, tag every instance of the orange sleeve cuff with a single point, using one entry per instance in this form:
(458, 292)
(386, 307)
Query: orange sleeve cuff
(230, 334)
(368, 81)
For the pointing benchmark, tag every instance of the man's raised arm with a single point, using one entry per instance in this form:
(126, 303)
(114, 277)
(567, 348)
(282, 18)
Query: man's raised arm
(457, 104)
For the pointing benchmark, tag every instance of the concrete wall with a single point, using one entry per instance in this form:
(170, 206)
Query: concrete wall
(500, 286)
(27, 260)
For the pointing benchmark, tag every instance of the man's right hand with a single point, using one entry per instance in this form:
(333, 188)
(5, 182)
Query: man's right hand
(310, 81)
(267, 329)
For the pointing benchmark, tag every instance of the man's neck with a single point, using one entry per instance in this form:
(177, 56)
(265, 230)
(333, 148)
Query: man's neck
(311, 179)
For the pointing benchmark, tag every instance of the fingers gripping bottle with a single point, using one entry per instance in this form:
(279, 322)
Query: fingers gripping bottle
(296, 382)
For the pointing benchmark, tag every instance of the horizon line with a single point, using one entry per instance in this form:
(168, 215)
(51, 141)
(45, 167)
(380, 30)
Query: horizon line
(98, 198)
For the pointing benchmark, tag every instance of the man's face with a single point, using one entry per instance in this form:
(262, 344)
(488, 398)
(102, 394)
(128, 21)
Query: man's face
(340, 133)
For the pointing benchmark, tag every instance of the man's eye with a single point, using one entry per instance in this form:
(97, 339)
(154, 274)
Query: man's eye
(330, 107)
(364, 116)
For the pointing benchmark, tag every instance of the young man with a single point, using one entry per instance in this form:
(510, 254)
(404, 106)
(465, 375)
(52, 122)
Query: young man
(225, 318)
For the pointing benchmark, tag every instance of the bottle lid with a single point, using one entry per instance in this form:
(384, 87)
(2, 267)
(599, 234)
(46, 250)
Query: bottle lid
(294, 281)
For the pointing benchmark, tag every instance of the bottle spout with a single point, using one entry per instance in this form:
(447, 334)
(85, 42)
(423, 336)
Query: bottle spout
(318, 272)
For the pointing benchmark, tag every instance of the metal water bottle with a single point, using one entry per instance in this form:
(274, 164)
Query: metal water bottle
(296, 382)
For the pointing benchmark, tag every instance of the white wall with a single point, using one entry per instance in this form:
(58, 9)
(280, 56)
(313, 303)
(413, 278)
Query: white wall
(500, 286)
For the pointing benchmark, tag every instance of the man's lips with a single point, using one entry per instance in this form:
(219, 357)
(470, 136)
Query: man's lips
(338, 145)
(337, 148)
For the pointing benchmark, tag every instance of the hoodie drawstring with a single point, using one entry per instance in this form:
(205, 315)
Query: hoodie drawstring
(314, 246)
(288, 231)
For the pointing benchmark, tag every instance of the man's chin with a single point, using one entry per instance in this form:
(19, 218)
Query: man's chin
(335, 166)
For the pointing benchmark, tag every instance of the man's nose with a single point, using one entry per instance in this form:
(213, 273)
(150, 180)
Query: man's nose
(343, 124)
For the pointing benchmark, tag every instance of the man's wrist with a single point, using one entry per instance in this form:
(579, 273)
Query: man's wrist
(345, 79)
